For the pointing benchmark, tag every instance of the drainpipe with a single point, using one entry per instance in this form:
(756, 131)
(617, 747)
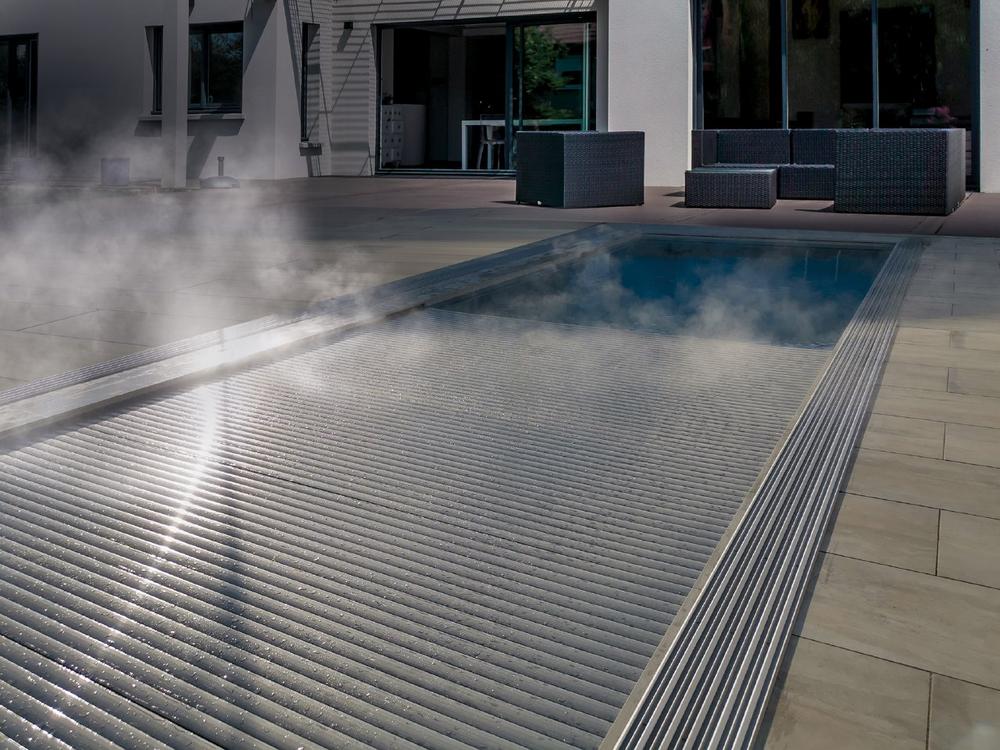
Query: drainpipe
(175, 94)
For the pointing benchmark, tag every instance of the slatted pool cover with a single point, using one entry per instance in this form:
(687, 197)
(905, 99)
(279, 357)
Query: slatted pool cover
(443, 531)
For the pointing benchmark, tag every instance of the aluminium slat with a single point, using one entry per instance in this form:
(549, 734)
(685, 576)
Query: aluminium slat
(305, 692)
(487, 592)
(18, 733)
(197, 581)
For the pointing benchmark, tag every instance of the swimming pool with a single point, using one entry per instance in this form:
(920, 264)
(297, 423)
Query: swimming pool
(463, 510)
(781, 293)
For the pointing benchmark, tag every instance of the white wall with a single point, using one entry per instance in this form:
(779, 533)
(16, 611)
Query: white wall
(93, 88)
(989, 92)
(650, 80)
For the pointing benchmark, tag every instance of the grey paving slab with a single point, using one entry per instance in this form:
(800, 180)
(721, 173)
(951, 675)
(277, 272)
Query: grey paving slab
(938, 406)
(976, 340)
(925, 377)
(15, 315)
(974, 382)
(832, 699)
(963, 716)
(970, 549)
(973, 445)
(940, 625)
(927, 481)
(144, 329)
(886, 532)
(916, 437)
(946, 356)
(922, 336)
(28, 356)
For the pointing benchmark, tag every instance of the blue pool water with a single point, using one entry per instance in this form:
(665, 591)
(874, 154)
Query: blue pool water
(782, 293)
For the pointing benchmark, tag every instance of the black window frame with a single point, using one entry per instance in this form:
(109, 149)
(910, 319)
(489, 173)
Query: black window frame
(154, 40)
(310, 36)
(205, 31)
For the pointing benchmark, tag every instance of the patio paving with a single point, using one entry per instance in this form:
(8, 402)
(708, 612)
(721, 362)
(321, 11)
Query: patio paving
(898, 645)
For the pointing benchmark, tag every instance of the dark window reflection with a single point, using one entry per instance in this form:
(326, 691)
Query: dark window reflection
(216, 73)
(741, 63)
(924, 65)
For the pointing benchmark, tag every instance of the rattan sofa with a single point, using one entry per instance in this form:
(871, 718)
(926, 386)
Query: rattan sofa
(900, 171)
(804, 159)
(580, 169)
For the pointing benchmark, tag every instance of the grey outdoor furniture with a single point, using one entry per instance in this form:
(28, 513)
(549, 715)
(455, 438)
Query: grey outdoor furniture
(905, 171)
(580, 169)
(892, 171)
(804, 158)
(731, 188)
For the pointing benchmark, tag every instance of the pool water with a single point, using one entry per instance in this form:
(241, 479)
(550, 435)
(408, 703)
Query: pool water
(791, 294)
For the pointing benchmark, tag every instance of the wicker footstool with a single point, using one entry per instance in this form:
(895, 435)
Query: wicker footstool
(731, 188)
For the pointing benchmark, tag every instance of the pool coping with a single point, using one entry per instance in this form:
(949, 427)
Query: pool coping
(718, 701)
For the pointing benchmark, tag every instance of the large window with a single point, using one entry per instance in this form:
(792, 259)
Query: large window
(216, 67)
(18, 75)
(835, 64)
(215, 73)
(741, 63)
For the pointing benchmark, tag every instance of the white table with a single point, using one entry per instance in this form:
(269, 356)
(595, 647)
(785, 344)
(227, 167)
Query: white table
(466, 124)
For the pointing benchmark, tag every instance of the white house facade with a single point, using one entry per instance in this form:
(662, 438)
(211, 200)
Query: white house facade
(295, 88)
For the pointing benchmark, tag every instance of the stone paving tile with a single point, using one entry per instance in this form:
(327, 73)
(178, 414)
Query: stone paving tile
(966, 321)
(885, 532)
(146, 329)
(832, 699)
(28, 356)
(946, 356)
(963, 716)
(922, 336)
(17, 315)
(916, 376)
(936, 624)
(926, 481)
(916, 437)
(973, 445)
(974, 382)
(976, 340)
(938, 406)
(969, 549)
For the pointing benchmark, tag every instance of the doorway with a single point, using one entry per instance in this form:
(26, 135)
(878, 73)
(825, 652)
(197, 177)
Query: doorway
(453, 95)
(18, 98)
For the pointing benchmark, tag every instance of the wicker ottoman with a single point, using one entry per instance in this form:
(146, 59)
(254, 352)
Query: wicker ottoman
(580, 169)
(731, 188)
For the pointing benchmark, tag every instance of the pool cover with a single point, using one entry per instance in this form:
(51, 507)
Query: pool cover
(442, 531)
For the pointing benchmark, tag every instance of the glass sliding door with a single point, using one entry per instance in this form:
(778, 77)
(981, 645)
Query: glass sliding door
(554, 83)
(741, 63)
(453, 95)
(829, 63)
(17, 98)
(924, 65)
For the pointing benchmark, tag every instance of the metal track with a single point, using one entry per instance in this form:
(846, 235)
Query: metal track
(711, 687)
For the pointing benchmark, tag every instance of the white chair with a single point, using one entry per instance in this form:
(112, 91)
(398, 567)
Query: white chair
(489, 140)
